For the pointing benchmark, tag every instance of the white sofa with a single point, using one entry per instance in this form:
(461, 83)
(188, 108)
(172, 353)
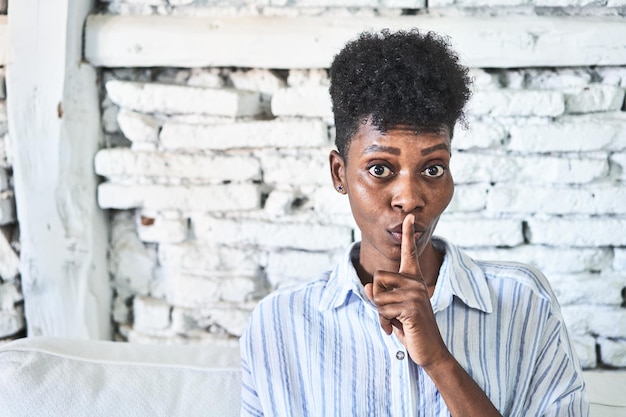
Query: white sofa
(66, 377)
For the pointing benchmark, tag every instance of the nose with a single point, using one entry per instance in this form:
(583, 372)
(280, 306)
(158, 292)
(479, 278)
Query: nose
(408, 194)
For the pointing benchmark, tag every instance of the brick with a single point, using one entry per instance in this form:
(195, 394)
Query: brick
(619, 259)
(219, 197)
(603, 131)
(198, 323)
(618, 160)
(150, 313)
(483, 80)
(593, 200)
(123, 163)
(479, 135)
(311, 77)
(194, 257)
(305, 101)
(109, 116)
(613, 75)
(10, 295)
(550, 259)
(468, 198)
(3, 118)
(563, 3)
(9, 261)
(279, 202)
(138, 127)
(490, 168)
(234, 321)
(259, 134)
(7, 208)
(612, 352)
(309, 168)
(3, 91)
(265, 81)
(556, 79)
(175, 99)
(327, 200)
(5, 182)
(516, 103)
(195, 291)
(5, 159)
(586, 288)
(156, 228)
(577, 232)
(205, 77)
(585, 348)
(289, 267)
(120, 309)
(603, 321)
(276, 235)
(576, 318)
(12, 321)
(131, 263)
(198, 338)
(471, 232)
(594, 98)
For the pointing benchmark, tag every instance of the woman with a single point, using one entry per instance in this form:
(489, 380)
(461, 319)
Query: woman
(407, 324)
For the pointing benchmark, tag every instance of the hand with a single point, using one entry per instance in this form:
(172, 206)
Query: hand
(403, 303)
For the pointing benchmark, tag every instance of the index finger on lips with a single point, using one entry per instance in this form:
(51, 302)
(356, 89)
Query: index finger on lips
(408, 251)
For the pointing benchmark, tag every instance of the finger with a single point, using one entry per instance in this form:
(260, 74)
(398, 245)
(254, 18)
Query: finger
(408, 252)
(369, 291)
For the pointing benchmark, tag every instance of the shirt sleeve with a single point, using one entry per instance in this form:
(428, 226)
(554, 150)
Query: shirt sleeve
(557, 387)
(250, 402)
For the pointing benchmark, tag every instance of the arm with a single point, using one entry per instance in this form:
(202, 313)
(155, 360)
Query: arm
(250, 402)
(404, 308)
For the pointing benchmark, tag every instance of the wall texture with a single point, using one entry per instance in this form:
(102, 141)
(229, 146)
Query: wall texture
(12, 322)
(218, 187)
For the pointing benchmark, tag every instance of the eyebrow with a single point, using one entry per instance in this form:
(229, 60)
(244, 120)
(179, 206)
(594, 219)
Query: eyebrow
(379, 148)
(396, 151)
(432, 149)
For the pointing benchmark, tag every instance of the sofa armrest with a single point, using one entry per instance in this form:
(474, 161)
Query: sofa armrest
(52, 377)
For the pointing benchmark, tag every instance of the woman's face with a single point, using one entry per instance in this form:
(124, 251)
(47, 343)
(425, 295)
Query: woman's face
(386, 176)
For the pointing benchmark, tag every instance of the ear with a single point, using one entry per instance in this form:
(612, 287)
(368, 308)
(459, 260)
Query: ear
(337, 170)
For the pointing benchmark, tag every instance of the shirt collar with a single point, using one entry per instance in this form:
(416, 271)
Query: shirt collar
(459, 277)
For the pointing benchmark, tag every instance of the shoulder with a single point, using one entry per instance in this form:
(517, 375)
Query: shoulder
(504, 279)
(517, 274)
(293, 298)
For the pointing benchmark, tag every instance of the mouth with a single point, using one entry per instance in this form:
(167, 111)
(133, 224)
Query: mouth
(396, 233)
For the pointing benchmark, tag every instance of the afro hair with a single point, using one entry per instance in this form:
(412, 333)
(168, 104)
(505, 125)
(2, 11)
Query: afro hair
(404, 78)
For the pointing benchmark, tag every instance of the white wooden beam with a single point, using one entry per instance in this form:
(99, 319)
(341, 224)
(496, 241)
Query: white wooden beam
(311, 42)
(54, 125)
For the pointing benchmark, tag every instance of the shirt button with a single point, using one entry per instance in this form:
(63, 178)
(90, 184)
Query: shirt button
(399, 355)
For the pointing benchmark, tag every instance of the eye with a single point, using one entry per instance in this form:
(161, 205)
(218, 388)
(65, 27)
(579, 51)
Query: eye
(380, 171)
(434, 171)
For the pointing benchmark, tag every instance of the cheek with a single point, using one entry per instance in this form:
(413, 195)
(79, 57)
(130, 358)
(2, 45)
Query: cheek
(444, 195)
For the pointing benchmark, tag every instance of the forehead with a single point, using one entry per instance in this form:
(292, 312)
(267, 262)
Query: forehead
(369, 138)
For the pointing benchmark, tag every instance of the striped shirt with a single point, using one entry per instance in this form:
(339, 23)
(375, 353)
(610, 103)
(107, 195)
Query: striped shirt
(319, 350)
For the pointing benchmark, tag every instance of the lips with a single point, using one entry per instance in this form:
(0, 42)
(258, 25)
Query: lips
(396, 232)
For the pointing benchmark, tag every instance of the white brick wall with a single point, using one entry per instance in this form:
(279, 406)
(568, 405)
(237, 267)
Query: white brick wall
(12, 321)
(225, 191)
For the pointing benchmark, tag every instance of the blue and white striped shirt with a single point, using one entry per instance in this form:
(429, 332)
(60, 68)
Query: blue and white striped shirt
(319, 350)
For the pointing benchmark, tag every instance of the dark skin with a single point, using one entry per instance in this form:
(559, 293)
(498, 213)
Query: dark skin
(398, 184)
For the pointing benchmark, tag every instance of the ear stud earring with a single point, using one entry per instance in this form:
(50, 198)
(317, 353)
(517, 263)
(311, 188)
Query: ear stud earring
(340, 188)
